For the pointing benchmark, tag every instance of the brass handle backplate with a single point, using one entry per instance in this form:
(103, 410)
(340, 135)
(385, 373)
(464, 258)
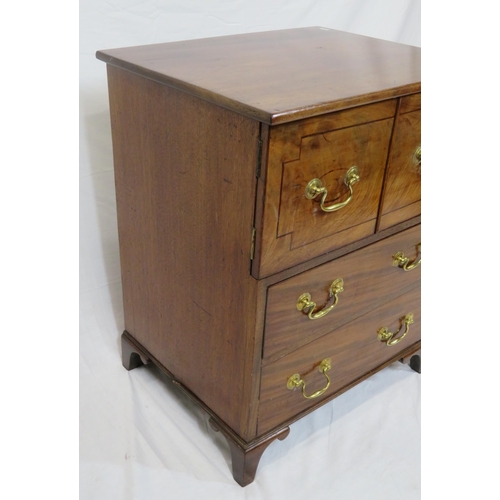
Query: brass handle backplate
(307, 306)
(384, 335)
(399, 259)
(315, 188)
(296, 381)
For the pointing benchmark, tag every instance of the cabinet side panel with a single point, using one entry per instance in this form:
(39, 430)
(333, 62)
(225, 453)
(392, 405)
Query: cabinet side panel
(185, 187)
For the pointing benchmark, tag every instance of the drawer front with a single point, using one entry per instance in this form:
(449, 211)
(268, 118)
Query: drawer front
(353, 350)
(313, 157)
(369, 278)
(401, 199)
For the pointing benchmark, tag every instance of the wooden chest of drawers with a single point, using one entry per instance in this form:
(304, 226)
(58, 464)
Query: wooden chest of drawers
(268, 198)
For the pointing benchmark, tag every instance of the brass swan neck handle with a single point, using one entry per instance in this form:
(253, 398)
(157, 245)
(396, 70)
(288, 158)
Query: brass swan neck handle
(296, 381)
(384, 335)
(315, 188)
(307, 306)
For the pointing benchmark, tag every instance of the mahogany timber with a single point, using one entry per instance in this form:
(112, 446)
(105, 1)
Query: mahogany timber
(279, 76)
(354, 349)
(185, 188)
(406, 353)
(328, 156)
(245, 456)
(410, 103)
(245, 459)
(294, 229)
(401, 196)
(334, 254)
(369, 278)
(214, 141)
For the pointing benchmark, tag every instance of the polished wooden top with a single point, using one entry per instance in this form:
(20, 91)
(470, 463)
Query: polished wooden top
(279, 76)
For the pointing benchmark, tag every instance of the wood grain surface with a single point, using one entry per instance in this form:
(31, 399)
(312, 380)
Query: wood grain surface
(185, 181)
(369, 280)
(409, 103)
(354, 350)
(294, 229)
(279, 76)
(328, 157)
(245, 460)
(402, 186)
(215, 140)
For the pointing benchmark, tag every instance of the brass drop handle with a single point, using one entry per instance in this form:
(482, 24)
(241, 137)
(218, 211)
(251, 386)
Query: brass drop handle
(399, 259)
(296, 381)
(315, 188)
(307, 306)
(417, 156)
(384, 335)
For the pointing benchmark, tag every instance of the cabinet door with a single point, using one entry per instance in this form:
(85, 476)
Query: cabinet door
(296, 225)
(401, 199)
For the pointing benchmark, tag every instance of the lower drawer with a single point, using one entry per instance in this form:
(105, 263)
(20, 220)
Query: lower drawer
(353, 351)
(369, 276)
